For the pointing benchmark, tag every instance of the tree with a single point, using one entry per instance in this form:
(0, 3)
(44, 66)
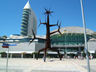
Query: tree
(48, 34)
(4, 37)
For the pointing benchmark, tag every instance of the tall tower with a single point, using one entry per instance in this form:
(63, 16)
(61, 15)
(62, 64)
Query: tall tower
(29, 21)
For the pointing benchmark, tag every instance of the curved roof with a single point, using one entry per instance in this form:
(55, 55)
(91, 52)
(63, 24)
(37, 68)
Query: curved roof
(74, 29)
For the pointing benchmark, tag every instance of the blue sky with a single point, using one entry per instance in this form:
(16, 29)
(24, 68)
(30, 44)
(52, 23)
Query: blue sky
(66, 11)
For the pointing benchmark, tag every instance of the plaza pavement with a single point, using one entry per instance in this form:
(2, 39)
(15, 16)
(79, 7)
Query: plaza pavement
(51, 65)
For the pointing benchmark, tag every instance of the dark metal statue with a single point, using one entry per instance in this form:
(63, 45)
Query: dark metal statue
(48, 34)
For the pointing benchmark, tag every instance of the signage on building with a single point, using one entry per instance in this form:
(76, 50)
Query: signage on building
(5, 45)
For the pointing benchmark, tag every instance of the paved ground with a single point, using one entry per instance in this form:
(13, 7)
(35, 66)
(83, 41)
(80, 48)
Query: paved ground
(55, 65)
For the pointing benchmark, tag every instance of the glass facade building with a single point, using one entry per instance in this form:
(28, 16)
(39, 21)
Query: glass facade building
(69, 42)
(69, 39)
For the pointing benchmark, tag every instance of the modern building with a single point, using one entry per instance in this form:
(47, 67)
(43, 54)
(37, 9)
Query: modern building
(29, 21)
(70, 42)
(92, 45)
(19, 46)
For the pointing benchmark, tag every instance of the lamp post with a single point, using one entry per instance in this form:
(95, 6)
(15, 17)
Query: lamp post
(65, 32)
(6, 45)
(7, 60)
(84, 27)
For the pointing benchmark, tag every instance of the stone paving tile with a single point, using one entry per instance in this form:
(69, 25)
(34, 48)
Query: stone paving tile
(51, 71)
(32, 65)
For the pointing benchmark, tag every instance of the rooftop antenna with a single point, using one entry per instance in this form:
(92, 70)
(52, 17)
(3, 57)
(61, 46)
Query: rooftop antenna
(84, 27)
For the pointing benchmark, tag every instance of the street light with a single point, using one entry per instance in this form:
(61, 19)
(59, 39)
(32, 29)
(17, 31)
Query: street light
(6, 45)
(84, 27)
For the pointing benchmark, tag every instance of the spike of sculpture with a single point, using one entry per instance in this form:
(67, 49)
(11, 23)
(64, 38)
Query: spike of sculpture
(48, 33)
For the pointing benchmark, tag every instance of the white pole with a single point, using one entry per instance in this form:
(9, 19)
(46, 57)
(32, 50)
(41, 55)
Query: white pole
(86, 46)
(7, 60)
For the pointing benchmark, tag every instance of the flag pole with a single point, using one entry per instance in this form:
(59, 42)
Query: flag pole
(7, 59)
(85, 38)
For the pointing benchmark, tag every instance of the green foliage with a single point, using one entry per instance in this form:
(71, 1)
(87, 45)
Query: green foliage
(94, 55)
(2, 53)
(84, 54)
(34, 53)
(5, 37)
(29, 36)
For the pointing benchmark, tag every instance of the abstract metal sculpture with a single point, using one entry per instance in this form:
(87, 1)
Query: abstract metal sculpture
(48, 34)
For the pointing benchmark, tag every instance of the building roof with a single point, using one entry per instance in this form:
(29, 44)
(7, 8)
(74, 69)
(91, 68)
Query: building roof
(74, 29)
(27, 6)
